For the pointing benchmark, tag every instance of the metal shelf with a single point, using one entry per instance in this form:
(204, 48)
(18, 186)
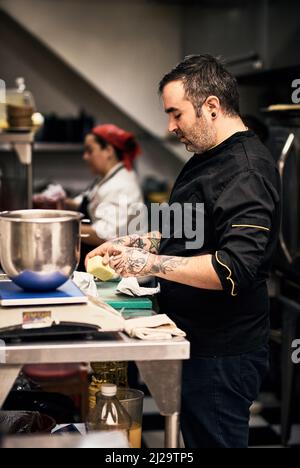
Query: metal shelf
(159, 363)
(22, 144)
(57, 147)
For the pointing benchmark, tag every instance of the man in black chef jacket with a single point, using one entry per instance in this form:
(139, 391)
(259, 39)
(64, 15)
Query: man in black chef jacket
(216, 293)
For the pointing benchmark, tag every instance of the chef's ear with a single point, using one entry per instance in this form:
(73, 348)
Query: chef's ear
(212, 106)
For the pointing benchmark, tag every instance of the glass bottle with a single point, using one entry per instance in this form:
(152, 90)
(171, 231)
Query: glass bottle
(109, 414)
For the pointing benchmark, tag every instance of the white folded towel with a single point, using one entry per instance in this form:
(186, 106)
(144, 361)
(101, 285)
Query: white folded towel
(157, 327)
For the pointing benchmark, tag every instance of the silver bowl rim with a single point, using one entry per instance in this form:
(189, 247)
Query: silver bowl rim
(58, 216)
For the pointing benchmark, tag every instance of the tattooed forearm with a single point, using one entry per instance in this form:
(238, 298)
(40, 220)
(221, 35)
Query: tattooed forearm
(149, 242)
(154, 242)
(137, 261)
(120, 241)
(164, 264)
(130, 261)
(138, 242)
(193, 271)
(130, 241)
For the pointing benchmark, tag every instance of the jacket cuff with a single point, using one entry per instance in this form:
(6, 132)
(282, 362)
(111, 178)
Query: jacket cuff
(222, 265)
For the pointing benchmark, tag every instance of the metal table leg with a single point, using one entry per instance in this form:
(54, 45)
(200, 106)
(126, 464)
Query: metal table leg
(29, 186)
(172, 431)
(163, 378)
(8, 375)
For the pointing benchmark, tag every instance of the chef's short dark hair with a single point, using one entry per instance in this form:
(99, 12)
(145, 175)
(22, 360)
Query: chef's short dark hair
(203, 76)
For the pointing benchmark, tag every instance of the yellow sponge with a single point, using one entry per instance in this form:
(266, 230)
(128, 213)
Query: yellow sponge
(96, 268)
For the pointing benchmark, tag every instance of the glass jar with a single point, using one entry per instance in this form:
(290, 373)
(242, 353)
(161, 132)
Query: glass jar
(20, 106)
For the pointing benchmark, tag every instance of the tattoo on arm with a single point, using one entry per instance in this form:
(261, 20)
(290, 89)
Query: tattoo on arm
(153, 241)
(130, 241)
(149, 242)
(138, 242)
(165, 264)
(154, 245)
(136, 261)
(119, 241)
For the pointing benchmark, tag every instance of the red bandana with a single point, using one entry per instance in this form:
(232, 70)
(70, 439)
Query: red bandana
(118, 138)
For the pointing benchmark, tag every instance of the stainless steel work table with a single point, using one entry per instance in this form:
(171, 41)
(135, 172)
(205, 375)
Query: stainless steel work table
(159, 363)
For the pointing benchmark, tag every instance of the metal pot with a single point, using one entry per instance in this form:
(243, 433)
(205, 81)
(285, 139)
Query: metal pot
(39, 249)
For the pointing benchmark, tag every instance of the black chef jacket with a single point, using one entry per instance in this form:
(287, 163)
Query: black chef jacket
(239, 184)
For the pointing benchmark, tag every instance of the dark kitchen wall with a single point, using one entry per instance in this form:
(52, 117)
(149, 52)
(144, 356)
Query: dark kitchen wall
(267, 29)
(284, 34)
(228, 29)
(59, 88)
(271, 28)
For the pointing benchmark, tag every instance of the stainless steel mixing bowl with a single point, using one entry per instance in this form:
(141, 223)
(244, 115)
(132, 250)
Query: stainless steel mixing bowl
(39, 249)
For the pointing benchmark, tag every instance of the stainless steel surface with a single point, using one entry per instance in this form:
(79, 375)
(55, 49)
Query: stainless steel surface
(29, 186)
(8, 376)
(281, 166)
(39, 249)
(121, 348)
(163, 378)
(102, 439)
(172, 424)
(160, 376)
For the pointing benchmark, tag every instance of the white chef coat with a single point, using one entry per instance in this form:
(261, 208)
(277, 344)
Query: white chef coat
(113, 201)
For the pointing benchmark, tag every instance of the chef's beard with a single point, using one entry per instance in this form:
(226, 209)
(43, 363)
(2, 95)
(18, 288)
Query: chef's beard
(200, 137)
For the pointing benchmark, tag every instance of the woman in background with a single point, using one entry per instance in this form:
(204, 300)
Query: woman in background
(109, 151)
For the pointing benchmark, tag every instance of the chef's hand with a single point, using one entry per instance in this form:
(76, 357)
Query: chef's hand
(102, 250)
(128, 261)
(105, 248)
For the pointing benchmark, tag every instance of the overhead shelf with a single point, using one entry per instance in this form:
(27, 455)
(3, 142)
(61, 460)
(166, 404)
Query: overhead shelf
(21, 143)
(42, 147)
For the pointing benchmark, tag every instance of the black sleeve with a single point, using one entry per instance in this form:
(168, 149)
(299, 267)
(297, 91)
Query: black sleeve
(243, 216)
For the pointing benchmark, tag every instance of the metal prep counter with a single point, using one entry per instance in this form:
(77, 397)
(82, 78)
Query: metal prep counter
(159, 363)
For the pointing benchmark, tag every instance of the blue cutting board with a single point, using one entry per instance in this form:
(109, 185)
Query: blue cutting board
(12, 295)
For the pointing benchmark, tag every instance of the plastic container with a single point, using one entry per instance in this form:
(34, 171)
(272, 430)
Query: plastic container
(109, 414)
(132, 400)
(107, 372)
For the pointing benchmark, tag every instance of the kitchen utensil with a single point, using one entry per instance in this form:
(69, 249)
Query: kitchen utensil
(39, 249)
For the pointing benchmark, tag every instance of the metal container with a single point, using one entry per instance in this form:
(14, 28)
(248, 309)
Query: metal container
(39, 249)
